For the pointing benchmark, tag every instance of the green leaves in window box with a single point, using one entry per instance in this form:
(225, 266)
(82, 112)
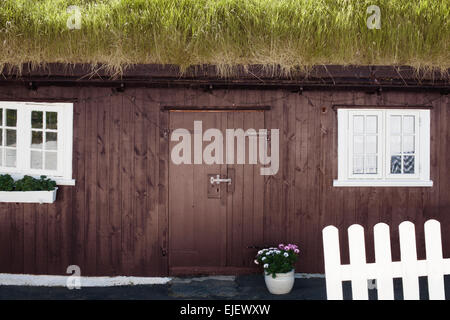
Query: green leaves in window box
(6, 182)
(27, 183)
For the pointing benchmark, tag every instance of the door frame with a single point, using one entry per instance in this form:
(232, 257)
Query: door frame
(164, 229)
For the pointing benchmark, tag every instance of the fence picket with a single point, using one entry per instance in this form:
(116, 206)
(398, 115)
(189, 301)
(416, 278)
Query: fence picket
(358, 262)
(435, 262)
(384, 269)
(383, 259)
(408, 254)
(332, 260)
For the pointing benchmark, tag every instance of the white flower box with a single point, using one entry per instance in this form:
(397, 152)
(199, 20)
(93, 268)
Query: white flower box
(28, 196)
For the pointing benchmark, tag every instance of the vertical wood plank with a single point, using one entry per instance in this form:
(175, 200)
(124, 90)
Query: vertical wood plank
(127, 187)
(91, 149)
(141, 135)
(238, 198)
(302, 115)
(314, 176)
(66, 229)
(29, 243)
(289, 171)
(78, 192)
(5, 239)
(41, 239)
(163, 197)
(248, 195)
(115, 184)
(54, 231)
(151, 121)
(17, 249)
(104, 261)
(258, 186)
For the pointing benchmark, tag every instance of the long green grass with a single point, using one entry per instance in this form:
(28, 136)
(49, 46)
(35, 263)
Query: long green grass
(287, 33)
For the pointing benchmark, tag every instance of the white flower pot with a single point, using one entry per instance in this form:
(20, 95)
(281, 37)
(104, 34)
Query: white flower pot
(28, 196)
(281, 284)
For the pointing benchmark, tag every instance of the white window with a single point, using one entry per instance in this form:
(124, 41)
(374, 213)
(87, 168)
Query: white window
(36, 139)
(383, 147)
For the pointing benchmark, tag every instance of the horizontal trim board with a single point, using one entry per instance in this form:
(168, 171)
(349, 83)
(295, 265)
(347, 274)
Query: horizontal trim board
(7, 279)
(295, 86)
(31, 280)
(81, 71)
(215, 109)
(186, 271)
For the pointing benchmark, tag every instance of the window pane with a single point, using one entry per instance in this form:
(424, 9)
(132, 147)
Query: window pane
(371, 124)
(358, 144)
(358, 124)
(50, 160)
(51, 120)
(408, 164)
(51, 140)
(396, 124)
(408, 144)
(408, 124)
(36, 139)
(11, 117)
(1, 137)
(371, 164)
(1, 117)
(358, 164)
(1, 157)
(371, 144)
(11, 138)
(10, 155)
(396, 166)
(36, 159)
(396, 144)
(36, 119)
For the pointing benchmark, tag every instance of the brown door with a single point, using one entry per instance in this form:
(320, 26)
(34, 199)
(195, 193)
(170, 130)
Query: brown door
(213, 226)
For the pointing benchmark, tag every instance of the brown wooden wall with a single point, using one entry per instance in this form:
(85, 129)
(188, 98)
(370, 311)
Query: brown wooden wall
(114, 220)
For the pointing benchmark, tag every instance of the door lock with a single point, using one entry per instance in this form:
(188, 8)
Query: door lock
(218, 180)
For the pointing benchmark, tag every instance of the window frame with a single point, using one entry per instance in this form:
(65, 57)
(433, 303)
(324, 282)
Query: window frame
(346, 178)
(63, 176)
(380, 138)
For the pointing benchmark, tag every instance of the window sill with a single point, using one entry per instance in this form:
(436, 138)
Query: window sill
(382, 183)
(64, 182)
(59, 181)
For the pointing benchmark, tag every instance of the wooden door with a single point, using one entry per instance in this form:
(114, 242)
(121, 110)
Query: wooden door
(213, 231)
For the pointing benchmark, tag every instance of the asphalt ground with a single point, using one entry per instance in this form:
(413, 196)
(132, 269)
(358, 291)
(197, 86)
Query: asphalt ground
(248, 287)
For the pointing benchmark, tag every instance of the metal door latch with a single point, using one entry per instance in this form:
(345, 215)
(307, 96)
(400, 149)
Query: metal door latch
(218, 180)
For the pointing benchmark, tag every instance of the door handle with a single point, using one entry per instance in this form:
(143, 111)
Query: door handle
(218, 180)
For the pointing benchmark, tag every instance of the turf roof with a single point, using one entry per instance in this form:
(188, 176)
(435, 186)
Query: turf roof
(287, 33)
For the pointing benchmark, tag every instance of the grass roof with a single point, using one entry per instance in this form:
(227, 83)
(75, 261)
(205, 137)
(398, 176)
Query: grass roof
(286, 33)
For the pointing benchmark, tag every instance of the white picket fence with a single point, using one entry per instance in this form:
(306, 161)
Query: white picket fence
(384, 269)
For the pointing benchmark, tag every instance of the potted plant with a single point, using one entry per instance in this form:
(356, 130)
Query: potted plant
(27, 189)
(278, 266)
